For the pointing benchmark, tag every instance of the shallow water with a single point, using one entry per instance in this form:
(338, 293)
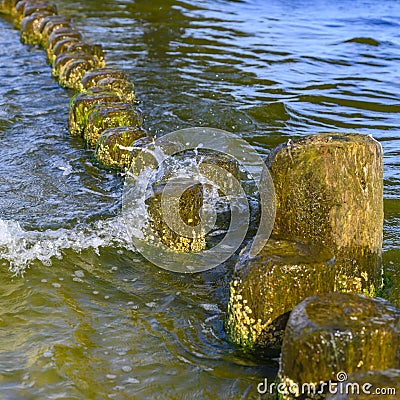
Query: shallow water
(90, 318)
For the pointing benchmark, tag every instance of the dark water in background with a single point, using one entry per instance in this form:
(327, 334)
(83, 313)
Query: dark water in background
(90, 319)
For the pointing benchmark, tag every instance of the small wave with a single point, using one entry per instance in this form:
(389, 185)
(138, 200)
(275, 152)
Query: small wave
(20, 247)
(364, 40)
(274, 113)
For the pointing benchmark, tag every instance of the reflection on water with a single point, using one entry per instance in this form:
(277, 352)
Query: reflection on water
(264, 70)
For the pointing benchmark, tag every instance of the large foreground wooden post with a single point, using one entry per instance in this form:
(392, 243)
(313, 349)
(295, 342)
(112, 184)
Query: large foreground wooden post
(329, 190)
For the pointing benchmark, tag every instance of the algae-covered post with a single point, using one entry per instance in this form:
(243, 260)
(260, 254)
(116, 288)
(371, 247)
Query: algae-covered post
(268, 286)
(25, 8)
(30, 27)
(50, 24)
(186, 234)
(6, 6)
(58, 35)
(330, 333)
(190, 203)
(109, 115)
(114, 147)
(82, 103)
(329, 190)
(92, 78)
(101, 86)
(328, 196)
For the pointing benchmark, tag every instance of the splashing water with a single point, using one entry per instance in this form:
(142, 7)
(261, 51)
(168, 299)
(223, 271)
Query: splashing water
(176, 175)
(20, 248)
(156, 165)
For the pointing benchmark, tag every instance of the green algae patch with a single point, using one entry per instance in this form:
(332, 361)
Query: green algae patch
(333, 332)
(81, 103)
(267, 287)
(329, 191)
(110, 115)
(113, 149)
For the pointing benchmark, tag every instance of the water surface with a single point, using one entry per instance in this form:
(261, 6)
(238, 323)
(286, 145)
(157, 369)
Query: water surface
(89, 318)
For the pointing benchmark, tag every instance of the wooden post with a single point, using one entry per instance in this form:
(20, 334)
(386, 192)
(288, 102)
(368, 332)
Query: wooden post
(339, 332)
(329, 190)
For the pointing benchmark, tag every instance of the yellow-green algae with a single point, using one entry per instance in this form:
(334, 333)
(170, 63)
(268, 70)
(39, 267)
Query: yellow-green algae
(62, 47)
(113, 148)
(17, 9)
(91, 78)
(70, 76)
(190, 201)
(82, 103)
(268, 286)
(6, 6)
(329, 190)
(61, 62)
(58, 35)
(224, 161)
(334, 332)
(189, 208)
(123, 87)
(30, 27)
(69, 52)
(50, 24)
(25, 8)
(95, 50)
(109, 115)
(329, 196)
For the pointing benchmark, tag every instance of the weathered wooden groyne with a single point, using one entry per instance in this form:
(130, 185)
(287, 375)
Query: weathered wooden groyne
(309, 296)
(104, 102)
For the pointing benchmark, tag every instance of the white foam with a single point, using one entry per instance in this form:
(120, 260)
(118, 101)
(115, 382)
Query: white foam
(20, 247)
